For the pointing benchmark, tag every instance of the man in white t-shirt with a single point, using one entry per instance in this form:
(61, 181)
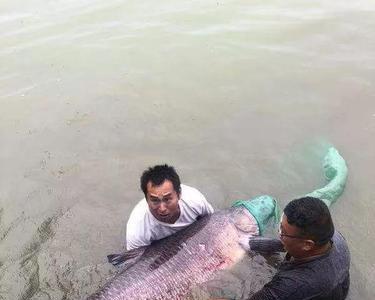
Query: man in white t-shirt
(168, 207)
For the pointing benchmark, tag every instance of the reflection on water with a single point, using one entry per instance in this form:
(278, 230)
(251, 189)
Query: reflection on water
(242, 98)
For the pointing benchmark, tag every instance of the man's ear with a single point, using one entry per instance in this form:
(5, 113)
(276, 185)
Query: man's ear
(308, 245)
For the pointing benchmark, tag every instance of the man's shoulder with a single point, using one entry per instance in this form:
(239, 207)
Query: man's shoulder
(189, 190)
(195, 200)
(139, 213)
(339, 240)
(339, 254)
(191, 195)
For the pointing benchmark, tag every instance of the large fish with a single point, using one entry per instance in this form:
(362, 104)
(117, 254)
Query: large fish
(170, 268)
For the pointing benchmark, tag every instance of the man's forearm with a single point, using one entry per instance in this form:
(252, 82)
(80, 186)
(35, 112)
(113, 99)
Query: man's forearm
(266, 245)
(263, 294)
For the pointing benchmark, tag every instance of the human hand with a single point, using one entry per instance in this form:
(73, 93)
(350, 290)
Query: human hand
(244, 242)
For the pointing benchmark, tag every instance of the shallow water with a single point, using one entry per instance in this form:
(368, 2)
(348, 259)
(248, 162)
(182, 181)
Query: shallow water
(242, 98)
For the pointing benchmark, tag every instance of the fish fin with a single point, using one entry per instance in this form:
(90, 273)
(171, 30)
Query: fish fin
(127, 258)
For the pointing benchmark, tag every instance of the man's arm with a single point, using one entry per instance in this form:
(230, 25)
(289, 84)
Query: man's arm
(136, 228)
(264, 294)
(276, 289)
(294, 284)
(266, 245)
(207, 209)
(132, 242)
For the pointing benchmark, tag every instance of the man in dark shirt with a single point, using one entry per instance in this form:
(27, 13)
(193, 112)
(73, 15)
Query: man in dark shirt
(317, 262)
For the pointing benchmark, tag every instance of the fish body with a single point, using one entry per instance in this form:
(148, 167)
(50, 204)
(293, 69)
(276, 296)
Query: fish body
(171, 267)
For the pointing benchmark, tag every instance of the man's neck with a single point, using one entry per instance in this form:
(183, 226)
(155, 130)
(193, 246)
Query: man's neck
(315, 253)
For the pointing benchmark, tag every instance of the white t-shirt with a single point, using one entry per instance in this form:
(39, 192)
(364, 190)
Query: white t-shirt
(143, 228)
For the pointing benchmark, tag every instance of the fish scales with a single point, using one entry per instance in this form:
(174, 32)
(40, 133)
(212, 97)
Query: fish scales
(168, 269)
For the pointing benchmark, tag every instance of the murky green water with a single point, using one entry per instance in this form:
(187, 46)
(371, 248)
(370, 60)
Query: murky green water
(241, 97)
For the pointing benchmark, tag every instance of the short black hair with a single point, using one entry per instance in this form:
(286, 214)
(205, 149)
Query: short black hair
(312, 217)
(157, 175)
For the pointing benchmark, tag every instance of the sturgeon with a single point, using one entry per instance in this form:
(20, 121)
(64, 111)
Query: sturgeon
(170, 268)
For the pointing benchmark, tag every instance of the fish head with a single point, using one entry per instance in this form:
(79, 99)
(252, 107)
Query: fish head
(263, 208)
(237, 226)
(245, 222)
(246, 226)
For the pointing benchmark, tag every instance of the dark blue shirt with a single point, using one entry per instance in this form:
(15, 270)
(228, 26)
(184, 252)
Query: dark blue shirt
(325, 277)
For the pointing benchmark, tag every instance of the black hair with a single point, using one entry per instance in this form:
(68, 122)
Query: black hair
(312, 217)
(157, 175)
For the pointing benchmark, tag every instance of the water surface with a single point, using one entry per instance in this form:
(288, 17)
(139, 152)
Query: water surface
(243, 98)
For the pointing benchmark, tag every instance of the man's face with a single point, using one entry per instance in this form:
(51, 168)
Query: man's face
(162, 201)
(296, 245)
